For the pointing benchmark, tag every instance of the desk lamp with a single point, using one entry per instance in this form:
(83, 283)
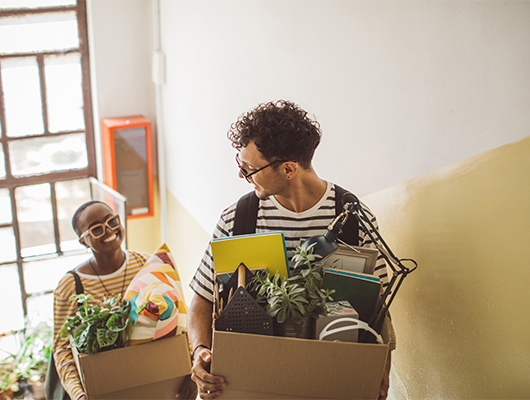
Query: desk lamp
(326, 244)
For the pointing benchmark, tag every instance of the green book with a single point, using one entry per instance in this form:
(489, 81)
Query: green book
(361, 290)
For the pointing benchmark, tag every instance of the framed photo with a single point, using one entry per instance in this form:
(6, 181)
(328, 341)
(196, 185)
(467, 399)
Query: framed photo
(353, 258)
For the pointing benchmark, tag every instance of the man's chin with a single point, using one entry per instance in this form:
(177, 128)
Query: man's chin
(261, 194)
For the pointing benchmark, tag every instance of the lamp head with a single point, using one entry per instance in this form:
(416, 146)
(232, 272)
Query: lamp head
(324, 245)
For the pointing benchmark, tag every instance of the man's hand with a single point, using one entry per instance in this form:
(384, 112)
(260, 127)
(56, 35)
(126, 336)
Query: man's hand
(188, 390)
(210, 386)
(385, 384)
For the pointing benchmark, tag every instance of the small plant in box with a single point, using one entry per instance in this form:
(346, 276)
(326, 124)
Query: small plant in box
(100, 327)
(299, 297)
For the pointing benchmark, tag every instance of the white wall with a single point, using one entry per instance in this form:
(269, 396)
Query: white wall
(121, 45)
(400, 88)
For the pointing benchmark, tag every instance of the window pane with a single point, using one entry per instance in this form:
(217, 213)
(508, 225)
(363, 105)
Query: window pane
(35, 3)
(45, 274)
(12, 315)
(22, 96)
(70, 195)
(8, 249)
(42, 155)
(131, 162)
(2, 164)
(39, 32)
(5, 207)
(64, 93)
(40, 309)
(35, 219)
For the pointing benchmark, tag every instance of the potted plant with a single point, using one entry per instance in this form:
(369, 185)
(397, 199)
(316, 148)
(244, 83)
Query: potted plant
(100, 327)
(298, 300)
(26, 370)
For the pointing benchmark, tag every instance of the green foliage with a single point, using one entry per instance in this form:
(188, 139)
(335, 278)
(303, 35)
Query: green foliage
(100, 327)
(31, 360)
(298, 297)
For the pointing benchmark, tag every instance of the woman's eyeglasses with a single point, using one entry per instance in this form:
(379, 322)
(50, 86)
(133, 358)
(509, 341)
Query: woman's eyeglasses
(99, 230)
(246, 174)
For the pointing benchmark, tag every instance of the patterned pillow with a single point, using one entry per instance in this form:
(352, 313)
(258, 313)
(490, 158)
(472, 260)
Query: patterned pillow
(158, 309)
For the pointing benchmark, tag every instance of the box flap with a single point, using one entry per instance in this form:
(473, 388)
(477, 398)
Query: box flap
(134, 366)
(255, 365)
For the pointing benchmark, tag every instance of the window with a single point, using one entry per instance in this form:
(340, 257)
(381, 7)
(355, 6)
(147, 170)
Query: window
(47, 150)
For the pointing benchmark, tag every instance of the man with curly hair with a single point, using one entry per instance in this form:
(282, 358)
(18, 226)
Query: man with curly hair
(275, 142)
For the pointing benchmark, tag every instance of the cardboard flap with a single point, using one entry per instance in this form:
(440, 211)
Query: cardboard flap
(298, 367)
(135, 366)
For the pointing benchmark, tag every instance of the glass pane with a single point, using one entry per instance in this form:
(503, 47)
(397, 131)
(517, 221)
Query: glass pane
(22, 96)
(42, 155)
(12, 315)
(8, 249)
(35, 219)
(35, 3)
(5, 207)
(8, 345)
(131, 168)
(45, 274)
(38, 32)
(40, 309)
(64, 90)
(2, 164)
(70, 195)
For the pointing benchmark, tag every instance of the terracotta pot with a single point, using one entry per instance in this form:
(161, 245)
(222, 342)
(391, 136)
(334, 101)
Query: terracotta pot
(6, 394)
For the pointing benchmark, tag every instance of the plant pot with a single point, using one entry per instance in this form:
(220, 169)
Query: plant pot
(38, 389)
(6, 394)
(287, 329)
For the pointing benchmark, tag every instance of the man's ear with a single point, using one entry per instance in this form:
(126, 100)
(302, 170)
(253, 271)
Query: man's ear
(82, 241)
(290, 169)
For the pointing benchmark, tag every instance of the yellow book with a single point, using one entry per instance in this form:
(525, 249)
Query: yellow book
(260, 250)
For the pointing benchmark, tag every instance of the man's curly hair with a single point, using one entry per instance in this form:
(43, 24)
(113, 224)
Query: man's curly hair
(281, 130)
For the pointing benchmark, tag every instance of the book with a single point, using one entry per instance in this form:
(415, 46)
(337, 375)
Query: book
(225, 276)
(361, 290)
(259, 250)
(346, 258)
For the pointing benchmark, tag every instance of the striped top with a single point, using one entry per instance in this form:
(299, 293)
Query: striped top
(273, 217)
(63, 307)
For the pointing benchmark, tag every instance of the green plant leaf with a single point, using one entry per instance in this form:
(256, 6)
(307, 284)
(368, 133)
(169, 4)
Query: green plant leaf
(106, 337)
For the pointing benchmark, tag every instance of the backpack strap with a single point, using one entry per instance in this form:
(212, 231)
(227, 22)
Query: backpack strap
(350, 231)
(53, 386)
(78, 285)
(246, 215)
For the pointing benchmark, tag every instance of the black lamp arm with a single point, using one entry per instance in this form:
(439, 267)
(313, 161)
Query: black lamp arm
(399, 271)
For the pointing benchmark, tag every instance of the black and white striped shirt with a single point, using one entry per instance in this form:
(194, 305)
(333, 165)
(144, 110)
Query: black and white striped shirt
(273, 217)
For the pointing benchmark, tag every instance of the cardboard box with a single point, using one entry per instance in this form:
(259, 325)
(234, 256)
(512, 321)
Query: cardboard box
(153, 370)
(269, 367)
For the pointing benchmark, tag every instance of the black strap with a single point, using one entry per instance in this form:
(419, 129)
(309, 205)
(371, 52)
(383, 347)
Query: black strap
(246, 216)
(53, 385)
(78, 285)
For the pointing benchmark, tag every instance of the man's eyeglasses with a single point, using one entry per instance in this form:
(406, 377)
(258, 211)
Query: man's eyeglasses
(99, 230)
(246, 174)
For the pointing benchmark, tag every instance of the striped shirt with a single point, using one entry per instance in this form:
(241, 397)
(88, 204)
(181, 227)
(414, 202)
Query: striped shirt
(63, 307)
(273, 217)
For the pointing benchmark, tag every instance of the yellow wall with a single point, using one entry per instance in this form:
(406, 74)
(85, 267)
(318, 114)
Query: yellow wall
(462, 318)
(187, 241)
(143, 233)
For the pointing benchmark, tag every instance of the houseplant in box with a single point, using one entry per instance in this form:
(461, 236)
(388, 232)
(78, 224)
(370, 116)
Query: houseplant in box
(298, 300)
(100, 327)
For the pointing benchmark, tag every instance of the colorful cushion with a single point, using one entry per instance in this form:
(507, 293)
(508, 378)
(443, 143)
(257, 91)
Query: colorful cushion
(158, 309)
